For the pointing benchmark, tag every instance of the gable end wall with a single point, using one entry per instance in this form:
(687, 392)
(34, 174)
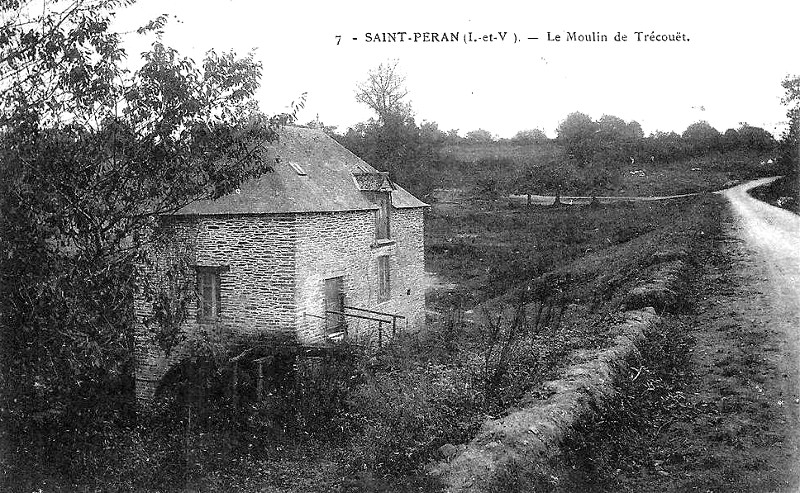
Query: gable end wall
(256, 289)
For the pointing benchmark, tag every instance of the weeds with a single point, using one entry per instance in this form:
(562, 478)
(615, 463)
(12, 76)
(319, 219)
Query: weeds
(649, 401)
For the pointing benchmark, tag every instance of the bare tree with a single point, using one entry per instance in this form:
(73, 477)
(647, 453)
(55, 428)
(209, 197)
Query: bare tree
(384, 91)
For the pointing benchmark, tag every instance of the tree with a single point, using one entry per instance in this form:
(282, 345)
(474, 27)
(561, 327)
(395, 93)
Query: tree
(665, 146)
(388, 142)
(578, 134)
(533, 136)
(92, 156)
(430, 134)
(618, 141)
(790, 140)
(479, 136)
(634, 130)
(702, 137)
(493, 176)
(384, 92)
(755, 138)
(453, 137)
(730, 140)
(612, 128)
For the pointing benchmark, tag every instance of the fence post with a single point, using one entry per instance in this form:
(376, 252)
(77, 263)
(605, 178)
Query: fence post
(260, 380)
(235, 384)
(380, 334)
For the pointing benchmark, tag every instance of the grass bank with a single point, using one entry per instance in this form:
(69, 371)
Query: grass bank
(783, 192)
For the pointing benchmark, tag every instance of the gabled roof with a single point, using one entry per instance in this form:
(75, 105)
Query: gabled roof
(314, 174)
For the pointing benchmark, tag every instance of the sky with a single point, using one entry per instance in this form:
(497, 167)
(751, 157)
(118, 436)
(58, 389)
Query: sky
(728, 72)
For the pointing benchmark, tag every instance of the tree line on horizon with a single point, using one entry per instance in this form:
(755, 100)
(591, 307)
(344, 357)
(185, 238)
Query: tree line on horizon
(421, 156)
(416, 154)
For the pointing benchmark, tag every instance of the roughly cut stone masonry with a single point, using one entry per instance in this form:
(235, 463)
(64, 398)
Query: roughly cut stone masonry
(276, 266)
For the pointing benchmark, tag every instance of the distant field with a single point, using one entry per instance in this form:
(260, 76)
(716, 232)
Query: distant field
(518, 153)
(708, 173)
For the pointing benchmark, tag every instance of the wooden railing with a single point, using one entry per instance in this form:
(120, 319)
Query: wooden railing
(383, 319)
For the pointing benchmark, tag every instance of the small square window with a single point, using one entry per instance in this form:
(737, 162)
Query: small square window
(384, 293)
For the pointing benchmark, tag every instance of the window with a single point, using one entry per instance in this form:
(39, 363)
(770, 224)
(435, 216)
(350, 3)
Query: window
(383, 278)
(208, 291)
(384, 201)
(297, 168)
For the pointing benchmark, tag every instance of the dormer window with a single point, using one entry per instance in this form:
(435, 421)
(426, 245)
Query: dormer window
(378, 189)
(384, 203)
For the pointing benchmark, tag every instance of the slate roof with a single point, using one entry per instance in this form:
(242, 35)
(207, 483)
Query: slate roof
(328, 185)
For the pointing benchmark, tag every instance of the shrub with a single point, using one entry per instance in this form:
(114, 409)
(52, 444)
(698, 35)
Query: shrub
(407, 416)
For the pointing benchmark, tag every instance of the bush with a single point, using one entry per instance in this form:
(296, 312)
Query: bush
(407, 416)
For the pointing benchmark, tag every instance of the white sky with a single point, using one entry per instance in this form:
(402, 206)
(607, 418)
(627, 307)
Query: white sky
(733, 66)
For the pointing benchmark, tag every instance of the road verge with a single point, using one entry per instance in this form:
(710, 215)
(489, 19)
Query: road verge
(530, 436)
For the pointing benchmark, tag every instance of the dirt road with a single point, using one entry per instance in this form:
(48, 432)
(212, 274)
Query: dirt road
(583, 199)
(765, 306)
(722, 411)
(774, 234)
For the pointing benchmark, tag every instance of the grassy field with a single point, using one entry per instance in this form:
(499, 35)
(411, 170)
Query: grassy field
(487, 249)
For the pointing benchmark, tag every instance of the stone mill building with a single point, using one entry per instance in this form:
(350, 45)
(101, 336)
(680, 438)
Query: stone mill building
(323, 247)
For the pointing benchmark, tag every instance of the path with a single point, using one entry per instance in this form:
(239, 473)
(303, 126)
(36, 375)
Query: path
(734, 421)
(603, 199)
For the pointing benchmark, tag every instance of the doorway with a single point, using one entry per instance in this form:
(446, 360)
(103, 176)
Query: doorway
(334, 305)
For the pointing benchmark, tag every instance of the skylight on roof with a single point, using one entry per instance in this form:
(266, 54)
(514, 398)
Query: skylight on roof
(299, 169)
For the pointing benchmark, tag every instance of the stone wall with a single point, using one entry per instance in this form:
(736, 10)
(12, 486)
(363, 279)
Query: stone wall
(343, 244)
(407, 268)
(256, 291)
(273, 277)
(256, 286)
(332, 245)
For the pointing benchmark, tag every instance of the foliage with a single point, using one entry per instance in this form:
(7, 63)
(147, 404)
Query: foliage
(790, 140)
(701, 137)
(407, 415)
(533, 136)
(577, 134)
(384, 92)
(91, 155)
(430, 134)
(783, 192)
(514, 347)
(479, 136)
(493, 177)
(754, 138)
